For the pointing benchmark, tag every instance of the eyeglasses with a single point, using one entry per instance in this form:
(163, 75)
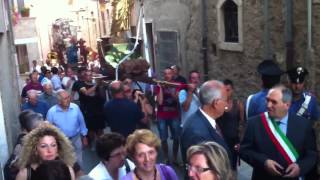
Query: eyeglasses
(196, 169)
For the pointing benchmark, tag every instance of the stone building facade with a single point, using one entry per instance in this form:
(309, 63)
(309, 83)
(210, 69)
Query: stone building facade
(9, 91)
(238, 61)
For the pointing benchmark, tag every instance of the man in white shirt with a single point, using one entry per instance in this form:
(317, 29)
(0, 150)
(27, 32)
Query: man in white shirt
(35, 66)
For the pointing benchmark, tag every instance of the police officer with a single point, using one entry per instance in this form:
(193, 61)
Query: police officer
(270, 76)
(303, 103)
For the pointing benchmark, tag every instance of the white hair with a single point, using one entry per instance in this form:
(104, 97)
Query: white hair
(32, 92)
(59, 92)
(210, 91)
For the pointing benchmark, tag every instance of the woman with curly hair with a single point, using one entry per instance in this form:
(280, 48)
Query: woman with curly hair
(44, 143)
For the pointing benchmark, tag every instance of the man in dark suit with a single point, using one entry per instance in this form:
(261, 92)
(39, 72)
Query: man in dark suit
(270, 155)
(201, 126)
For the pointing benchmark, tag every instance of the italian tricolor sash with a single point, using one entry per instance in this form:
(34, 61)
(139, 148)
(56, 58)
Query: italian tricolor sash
(279, 139)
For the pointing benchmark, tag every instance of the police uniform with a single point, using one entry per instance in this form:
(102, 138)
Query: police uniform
(256, 103)
(306, 105)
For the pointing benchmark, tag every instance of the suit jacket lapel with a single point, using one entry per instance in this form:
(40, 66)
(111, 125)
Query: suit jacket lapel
(213, 132)
(291, 129)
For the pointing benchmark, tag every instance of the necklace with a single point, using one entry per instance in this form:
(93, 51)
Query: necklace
(139, 178)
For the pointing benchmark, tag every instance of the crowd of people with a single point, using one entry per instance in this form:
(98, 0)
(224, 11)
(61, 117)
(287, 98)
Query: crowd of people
(64, 111)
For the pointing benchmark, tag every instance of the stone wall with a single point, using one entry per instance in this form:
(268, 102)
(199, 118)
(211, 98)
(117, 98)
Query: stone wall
(9, 91)
(240, 66)
(316, 46)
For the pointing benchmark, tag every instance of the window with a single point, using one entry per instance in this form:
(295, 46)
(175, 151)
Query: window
(23, 61)
(230, 11)
(230, 25)
(167, 49)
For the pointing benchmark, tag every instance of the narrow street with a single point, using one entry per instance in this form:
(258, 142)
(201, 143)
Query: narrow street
(93, 42)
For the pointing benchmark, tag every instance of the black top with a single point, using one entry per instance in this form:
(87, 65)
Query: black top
(180, 79)
(229, 123)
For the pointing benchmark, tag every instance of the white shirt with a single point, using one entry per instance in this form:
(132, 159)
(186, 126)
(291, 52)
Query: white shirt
(210, 119)
(37, 68)
(100, 172)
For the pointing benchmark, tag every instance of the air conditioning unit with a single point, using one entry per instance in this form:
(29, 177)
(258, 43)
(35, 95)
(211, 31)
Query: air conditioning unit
(3, 17)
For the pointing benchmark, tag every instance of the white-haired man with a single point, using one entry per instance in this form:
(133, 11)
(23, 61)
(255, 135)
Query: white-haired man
(202, 126)
(48, 96)
(34, 104)
(69, 119)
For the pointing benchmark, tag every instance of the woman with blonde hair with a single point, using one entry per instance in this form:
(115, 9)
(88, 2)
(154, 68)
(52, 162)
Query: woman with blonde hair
(44, 143)
(142, 147)
(208, 161)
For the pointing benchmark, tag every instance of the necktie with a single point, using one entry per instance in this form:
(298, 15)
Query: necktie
(219, 130)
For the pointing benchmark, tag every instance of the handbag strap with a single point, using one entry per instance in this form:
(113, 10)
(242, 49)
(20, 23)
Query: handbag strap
(28, 172)
(127, 166)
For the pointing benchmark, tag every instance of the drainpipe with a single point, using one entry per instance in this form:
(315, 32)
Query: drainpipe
(309, 24)
(204, 48)
(267, 45)
(289, 37)
(309, 60)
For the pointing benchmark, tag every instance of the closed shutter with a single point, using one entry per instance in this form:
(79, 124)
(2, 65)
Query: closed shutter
(167, 50)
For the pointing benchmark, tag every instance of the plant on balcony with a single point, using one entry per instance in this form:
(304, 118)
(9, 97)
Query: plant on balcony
(25, 12)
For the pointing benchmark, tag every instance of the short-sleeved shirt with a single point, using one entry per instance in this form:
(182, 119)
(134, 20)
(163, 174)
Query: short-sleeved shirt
(56, 82)
(194, 105)
(311, 113)
(90, 104)
(76, 85)
(75, 88)
(45, 80)
(258, 103)
(169, 109)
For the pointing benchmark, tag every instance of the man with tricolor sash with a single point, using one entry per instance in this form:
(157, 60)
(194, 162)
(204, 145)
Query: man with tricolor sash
(277, 144)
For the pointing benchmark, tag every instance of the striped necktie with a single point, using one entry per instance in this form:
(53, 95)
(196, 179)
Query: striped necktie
(219, 130)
